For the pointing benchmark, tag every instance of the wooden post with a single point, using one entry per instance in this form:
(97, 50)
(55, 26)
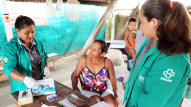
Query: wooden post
(6, 20)
(138, 14)
(112, 26)
(98, 27)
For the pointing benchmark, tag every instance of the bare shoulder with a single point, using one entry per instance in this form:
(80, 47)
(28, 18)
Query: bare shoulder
(132, 33)
(127, 32)
(108, 62)
(82, 61)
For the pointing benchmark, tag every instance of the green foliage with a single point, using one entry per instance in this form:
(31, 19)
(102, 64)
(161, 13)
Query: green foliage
(108, 28)
(120, 22)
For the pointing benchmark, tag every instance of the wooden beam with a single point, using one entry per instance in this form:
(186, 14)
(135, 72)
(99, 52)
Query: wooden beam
(98, 27)
(105, 1)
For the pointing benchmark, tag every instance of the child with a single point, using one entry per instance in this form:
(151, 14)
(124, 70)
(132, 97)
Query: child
(130, 41)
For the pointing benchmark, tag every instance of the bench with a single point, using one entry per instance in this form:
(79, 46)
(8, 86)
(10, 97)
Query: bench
(52, 57)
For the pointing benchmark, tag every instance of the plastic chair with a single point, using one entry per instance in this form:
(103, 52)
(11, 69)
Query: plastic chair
(80, 79)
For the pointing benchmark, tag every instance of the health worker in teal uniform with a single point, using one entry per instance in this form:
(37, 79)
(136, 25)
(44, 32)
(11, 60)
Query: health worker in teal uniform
(25, 59)
(161, 68)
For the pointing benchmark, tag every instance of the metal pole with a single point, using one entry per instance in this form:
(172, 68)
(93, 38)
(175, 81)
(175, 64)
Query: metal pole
(138, 14)
(6, 20)
(98, 27)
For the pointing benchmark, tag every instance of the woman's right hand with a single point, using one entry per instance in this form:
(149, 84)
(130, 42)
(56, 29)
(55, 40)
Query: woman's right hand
(30, 82)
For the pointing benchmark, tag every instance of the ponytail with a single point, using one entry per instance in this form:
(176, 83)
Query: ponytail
(174, 31)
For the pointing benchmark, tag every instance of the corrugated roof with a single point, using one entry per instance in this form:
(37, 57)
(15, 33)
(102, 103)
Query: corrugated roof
(91, 2)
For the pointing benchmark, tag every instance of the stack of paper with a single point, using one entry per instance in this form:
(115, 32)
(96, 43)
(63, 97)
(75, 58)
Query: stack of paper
(101, 104)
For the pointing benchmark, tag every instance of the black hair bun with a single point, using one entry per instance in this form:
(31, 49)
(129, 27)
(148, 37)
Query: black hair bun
(23, 21)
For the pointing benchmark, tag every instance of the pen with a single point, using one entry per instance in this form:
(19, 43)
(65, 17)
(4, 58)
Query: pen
(41, 103)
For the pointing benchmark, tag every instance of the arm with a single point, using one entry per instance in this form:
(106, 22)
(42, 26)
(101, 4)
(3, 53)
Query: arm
(112, 77)
(17, 76)
(155, 85)
(10, 63)
(45, 54)
(46, 63)
(113, 80)
(126, 38)
(77, 73)
(133, 52)
(46, 71)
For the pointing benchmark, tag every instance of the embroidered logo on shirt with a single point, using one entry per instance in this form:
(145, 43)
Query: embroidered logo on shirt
(5, 60)
(168, 74)
(141, 78)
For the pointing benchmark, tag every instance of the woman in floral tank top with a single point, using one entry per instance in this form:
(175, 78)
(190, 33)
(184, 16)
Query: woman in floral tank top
(96, 70)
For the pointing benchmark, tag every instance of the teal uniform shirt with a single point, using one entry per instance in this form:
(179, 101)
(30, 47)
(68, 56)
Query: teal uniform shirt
(16, 58)
(158, 80)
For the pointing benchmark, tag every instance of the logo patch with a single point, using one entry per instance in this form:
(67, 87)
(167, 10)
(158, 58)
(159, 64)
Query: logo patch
(141, 79)
(5, 60)
(168, 74)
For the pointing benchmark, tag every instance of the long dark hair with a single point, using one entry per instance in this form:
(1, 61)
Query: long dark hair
(23, 21)
(174, 31)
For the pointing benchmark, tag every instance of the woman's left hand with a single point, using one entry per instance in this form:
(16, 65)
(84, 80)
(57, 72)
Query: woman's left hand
(46, 72)
(116, 101)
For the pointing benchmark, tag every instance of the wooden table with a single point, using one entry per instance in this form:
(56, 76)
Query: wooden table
(62, 91)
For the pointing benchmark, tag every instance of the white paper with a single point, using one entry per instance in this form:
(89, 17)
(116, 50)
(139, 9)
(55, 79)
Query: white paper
(101, 104)
(44, 105)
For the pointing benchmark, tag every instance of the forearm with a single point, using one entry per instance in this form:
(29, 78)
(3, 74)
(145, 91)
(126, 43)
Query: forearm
(17, 76)
(46, 63)
(114, 85)
(74, 82)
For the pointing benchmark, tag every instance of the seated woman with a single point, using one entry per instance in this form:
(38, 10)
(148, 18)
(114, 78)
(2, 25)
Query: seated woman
(96, 70)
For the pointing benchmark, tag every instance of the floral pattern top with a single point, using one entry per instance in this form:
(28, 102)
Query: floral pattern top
(95, 83)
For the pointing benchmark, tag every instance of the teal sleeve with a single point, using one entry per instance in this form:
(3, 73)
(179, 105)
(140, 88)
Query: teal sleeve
(164, 77)
(45, 52)
(9, 59)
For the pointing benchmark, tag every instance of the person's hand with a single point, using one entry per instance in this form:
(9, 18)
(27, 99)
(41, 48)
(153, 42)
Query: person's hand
(30, 82)
(46, 72)
(133, 58)
(127, 50)
(132, 50)
(116, 101)
(123, 87)
(76, 89)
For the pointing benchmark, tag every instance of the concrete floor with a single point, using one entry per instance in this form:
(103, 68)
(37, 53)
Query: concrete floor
(65, 66)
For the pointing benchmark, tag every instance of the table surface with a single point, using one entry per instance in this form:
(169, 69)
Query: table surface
(62, 91)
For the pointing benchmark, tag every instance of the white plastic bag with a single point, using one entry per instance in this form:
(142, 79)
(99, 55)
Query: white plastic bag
(49, 7)
(59, 5)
